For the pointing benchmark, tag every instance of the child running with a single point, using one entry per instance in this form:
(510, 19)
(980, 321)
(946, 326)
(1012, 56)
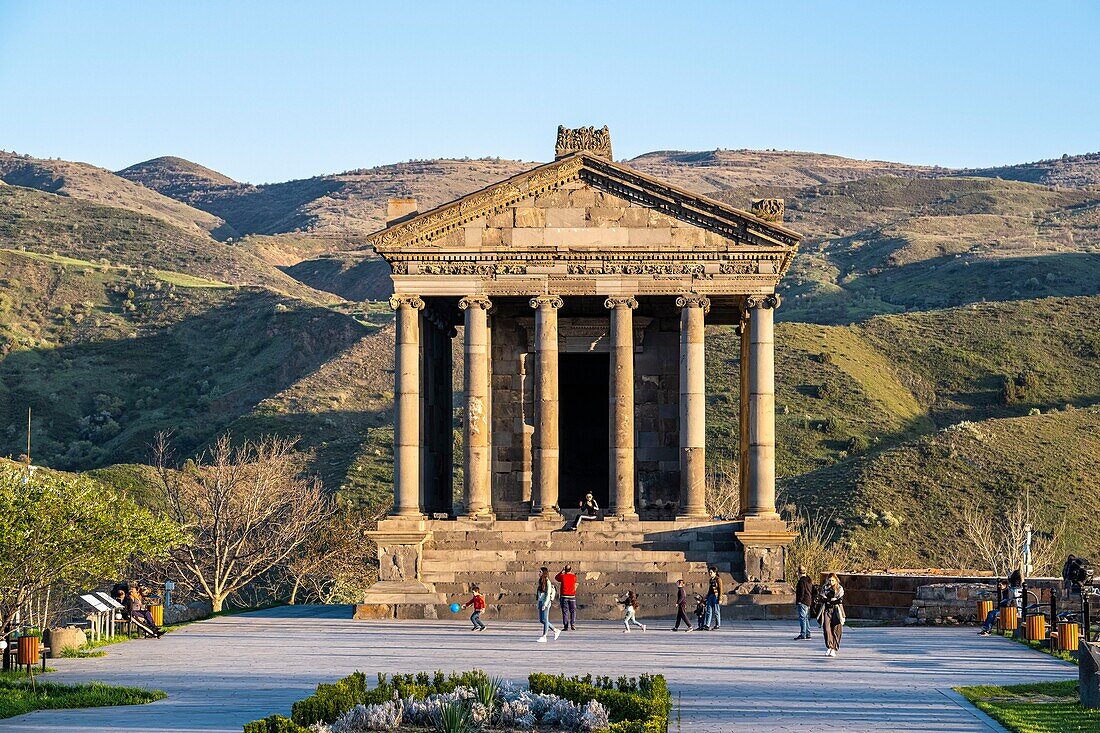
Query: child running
(630, 607)
(478, 602)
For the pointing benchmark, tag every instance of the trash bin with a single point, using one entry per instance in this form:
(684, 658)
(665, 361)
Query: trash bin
(1009, 618)
(984, 607)
(1069, 636)
(27, 652)
(1036, 627)
(157, 611)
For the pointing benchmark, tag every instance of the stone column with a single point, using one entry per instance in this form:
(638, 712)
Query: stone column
(544, 499)
(761, 417)
(406, 406)
(742, 331)
(693, 481)
(621, 402)
(476, 486)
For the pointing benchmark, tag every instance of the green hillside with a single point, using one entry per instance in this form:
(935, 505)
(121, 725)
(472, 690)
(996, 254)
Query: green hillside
(106, 357)
(927, 484)
(51, 224)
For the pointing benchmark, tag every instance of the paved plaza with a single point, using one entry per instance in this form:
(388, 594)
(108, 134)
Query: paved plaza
(222, 673)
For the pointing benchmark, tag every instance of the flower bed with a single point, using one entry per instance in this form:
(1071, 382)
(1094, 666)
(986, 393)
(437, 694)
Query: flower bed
(472, 701)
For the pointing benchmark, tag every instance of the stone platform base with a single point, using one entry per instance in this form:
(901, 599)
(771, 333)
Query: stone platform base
(432, 563)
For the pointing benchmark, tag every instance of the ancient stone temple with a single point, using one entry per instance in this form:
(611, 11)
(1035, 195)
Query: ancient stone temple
(579, 293)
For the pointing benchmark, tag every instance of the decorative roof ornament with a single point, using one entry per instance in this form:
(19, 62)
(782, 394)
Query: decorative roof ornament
(586, 139)
(768, 209)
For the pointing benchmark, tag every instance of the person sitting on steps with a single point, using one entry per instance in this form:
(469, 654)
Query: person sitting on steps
(589, 510)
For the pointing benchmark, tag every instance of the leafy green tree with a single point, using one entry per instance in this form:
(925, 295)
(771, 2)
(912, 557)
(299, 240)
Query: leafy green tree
(65, 530)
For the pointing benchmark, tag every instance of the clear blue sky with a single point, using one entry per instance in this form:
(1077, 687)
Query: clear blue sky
(267, 91)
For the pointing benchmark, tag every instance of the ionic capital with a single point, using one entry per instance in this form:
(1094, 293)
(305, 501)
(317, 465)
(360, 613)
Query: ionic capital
(549, 301)
(763, 301)
(694, 300)
(398, 300)
(475, 301)
(617, 301)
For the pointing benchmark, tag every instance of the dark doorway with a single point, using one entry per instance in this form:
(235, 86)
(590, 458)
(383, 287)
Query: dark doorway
(584, 427)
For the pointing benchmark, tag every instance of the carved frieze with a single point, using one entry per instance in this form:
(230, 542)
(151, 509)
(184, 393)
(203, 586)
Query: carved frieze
(739, 267)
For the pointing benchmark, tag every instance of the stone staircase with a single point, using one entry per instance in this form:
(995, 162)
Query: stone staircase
(609, 557)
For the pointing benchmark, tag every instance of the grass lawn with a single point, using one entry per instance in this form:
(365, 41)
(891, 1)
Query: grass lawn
(20, 696)
(1046, 707)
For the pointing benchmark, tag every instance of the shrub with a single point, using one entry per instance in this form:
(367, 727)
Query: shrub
(332, 700)
(274, 724)
(825, 391)
(858, 444)
(643, 711)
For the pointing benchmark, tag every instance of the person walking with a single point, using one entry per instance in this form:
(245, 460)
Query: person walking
(568, 581)
(630, 611)
(803, 599)
(681, 606)
(831, 617)
(713, 619)
(545, 599)
(478, 602)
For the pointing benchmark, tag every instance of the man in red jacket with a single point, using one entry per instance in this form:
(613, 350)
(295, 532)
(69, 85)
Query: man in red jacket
(568, 595)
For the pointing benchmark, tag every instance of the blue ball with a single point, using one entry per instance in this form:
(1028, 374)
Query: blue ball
(455, 608)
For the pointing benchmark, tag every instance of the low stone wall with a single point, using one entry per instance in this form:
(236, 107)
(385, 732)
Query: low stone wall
(892, 596)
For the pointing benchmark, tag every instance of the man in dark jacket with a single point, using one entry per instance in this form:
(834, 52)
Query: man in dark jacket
(803, 598)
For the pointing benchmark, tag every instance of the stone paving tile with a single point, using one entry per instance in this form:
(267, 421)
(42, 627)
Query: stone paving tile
(748, 677)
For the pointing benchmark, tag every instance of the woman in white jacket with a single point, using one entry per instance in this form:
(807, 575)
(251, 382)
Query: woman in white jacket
(545, 598)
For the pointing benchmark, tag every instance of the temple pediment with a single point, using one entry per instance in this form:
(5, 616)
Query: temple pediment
(595, 174)
(591, 226)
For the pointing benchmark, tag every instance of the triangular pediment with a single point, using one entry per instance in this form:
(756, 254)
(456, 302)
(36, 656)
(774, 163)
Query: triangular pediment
(444, 225)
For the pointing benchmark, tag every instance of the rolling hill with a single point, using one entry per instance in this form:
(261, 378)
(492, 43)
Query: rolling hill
(97, 185)
(48, 223)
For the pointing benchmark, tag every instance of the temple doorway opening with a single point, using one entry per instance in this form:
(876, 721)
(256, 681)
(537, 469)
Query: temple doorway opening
(585, 464)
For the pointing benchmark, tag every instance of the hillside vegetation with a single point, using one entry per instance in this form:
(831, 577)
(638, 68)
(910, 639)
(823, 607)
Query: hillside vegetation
(100, 186)
(1051, 461)
(51, 224)
(106, 357)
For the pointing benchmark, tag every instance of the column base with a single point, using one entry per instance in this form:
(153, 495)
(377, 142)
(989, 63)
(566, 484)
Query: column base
(693, 513)
(612, 515)
(764, 540)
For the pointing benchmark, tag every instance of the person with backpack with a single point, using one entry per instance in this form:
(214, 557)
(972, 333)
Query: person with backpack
(545, 598)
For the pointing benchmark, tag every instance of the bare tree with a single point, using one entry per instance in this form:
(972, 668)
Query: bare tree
(998, 543)
(335, 563)
(247, 509)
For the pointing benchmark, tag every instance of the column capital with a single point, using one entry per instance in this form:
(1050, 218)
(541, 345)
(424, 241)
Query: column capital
(405, 299)
(621, 301)
(550, 301)
(694, 300)
(475, 301)
(771, 300)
